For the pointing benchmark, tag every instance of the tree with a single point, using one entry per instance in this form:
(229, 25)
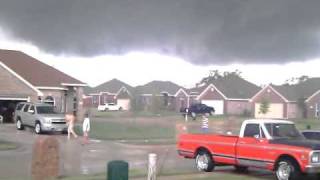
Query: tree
(264, 106)
(215, 75)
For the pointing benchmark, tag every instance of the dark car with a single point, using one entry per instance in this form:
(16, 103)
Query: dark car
(196, 109)
(311, 134)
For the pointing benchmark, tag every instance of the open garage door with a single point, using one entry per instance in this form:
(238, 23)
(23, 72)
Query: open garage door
(7, 107)
(275, 111)
(124, 104)
(216, 104)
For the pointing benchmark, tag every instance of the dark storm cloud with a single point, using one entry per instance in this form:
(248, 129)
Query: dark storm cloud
(202, 31)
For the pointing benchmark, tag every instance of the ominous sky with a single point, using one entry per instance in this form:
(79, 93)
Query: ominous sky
(200, 31)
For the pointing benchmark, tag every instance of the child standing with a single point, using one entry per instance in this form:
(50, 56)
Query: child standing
(86, 129)
(70, 119)
(205, 123)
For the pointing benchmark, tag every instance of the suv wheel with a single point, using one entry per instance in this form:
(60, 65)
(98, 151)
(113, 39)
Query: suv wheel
(19, 124)
(37, 128)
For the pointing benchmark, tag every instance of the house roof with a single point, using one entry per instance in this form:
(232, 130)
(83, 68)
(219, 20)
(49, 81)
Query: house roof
(302, 90)
(35, 72)
(158, 87)
(112, 86)
(233, 87)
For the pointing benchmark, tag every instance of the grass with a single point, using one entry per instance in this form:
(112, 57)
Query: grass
(128, 131)
(128, 114)
(4, 145)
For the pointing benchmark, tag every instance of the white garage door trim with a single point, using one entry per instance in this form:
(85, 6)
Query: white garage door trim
(275, 111)
(218, 105)
(13, 99)
(124, 104)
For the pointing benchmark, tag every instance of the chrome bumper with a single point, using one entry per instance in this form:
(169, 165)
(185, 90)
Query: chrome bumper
(313, 168)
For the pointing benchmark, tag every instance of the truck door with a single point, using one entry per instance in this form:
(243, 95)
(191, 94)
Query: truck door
(251, 148)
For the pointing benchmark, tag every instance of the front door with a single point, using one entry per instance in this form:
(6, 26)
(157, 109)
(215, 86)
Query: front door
(251, 149)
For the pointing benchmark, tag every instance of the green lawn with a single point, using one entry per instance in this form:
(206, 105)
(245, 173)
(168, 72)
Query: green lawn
(128, 131)
(4, 145)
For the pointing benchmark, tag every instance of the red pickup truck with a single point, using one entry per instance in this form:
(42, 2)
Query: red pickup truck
(274, 145)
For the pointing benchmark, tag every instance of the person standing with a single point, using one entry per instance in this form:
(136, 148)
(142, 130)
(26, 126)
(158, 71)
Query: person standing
(70, 122)
(205, 123)
(86, 129)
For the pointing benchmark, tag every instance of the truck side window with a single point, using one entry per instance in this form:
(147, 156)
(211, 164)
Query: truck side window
(26, 107)
(251, 130)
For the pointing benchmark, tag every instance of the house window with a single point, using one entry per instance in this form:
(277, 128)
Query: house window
(49, 100)
(94, 100)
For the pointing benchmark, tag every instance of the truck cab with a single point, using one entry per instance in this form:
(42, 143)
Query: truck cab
(274, 145)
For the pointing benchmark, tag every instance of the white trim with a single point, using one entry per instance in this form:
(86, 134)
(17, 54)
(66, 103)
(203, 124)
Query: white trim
(39, 93)
(123, 87)
(107, 93)
(211, 86)
(269, 86)
(314, 94)
(145, 94)
(14, 99)
(181, 90)
(71, 84)
(94, 94)
(50, 88)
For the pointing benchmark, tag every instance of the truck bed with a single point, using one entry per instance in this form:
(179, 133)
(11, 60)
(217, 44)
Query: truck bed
(223, 146)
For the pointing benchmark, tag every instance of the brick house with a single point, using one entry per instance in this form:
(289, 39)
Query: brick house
(165, 92)
(24, 78)
(113, 91)
(290, 101)
(228, 95)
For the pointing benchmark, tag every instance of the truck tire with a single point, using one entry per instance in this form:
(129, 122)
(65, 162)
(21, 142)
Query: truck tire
(204, 161)
(287, 169)
(37, 128)
(19, 124)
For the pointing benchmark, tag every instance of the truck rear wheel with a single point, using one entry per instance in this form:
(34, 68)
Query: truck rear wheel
(204, 161)
(287, 169)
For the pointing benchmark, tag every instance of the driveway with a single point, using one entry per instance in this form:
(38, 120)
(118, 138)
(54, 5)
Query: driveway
(77, 159)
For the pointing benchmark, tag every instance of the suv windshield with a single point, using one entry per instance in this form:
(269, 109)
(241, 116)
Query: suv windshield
(45, 110)
(277, 130)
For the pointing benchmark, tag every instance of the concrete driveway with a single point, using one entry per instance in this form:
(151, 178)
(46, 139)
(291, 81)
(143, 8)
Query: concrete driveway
(77, 159)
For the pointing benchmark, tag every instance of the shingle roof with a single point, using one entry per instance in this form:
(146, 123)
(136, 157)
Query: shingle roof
(302, 90)
(158, 87)
(232, 87)
(112, 86)
(34, 71)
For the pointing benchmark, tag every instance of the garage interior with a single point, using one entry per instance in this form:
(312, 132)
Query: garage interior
(7, 107)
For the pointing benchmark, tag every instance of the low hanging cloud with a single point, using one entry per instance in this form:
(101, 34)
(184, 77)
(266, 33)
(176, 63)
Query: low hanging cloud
(201, 31)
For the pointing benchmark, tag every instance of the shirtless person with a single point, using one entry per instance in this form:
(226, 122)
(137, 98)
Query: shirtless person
(70, 119)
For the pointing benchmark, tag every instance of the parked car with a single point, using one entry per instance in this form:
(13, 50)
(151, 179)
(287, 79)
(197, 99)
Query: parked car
(311, 134)
(41, 117)
(274, 145)
(196, 109)
(109, 107)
